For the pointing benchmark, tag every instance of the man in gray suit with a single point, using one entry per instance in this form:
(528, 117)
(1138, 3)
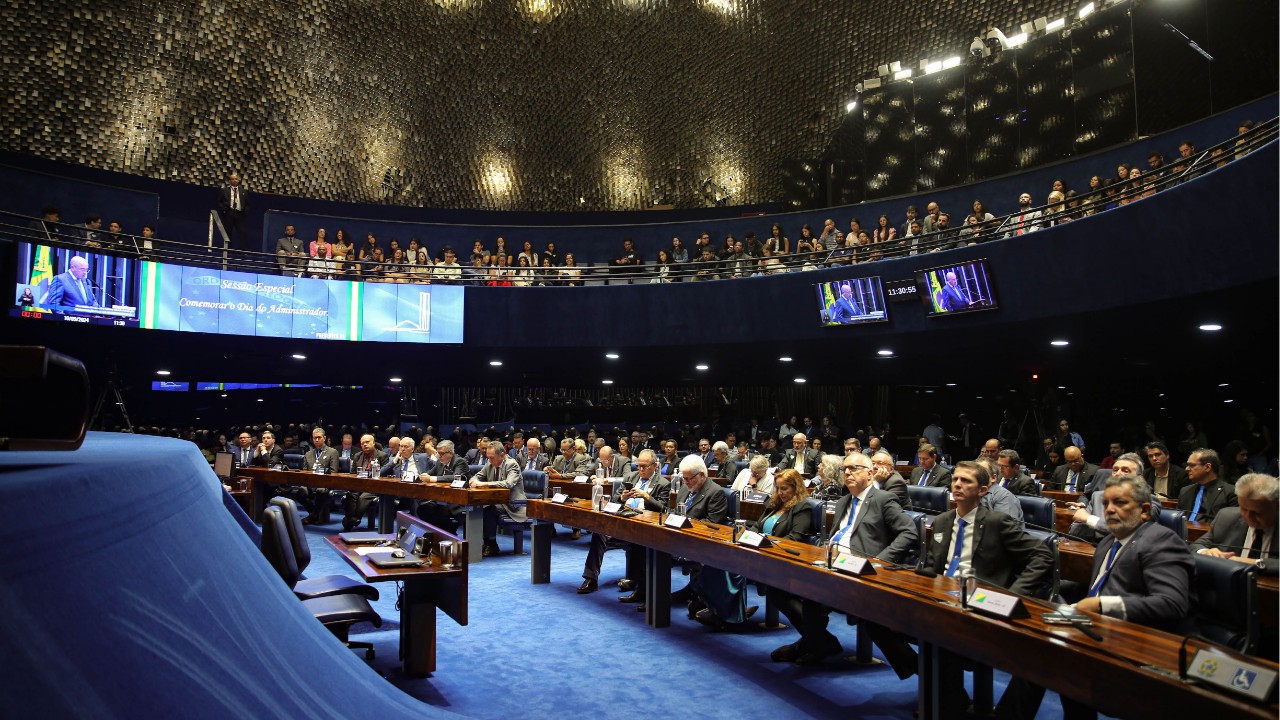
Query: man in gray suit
(291, 256)
(929, 473)
(531, 457)
(701, 498)
(1248, 533)
(807, 464)
(643, 489)
(317, 500)
(500, 471)
(889, 479)
(568, 465)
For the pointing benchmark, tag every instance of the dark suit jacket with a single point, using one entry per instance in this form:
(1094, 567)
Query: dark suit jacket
(393, 468)
(328, 458)
(794, 524)
(708, 504)
(1153, 575)
(939, 476)
(1003, 553)
(1023, 485)
(457, 466)
(64, 291)
(897, 485)
(618, 466)
(728, 472)
(788, 461)
(1228, 533)
(882, 529)
(1059, 479)
(274, 456)
(224, 199)
(659, 490)
(1217, 495)
(378, 459)
(1177, 480)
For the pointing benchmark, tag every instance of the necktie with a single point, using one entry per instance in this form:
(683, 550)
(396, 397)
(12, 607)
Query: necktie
(853, 512)
(1195, 509)
(1255, 547)
(955, 556)
(638, 503)
(800, 462)
(1106, 570)
(235, 198)
(924, 478)
(689, 503)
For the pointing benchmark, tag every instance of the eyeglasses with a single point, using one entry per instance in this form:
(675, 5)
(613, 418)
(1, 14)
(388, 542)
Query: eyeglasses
(855, 468)
(644, 466)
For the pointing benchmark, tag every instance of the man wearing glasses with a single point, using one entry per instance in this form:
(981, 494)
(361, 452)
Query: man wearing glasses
(320, 456)
(643, 489)
(1206, 494)
(889, 479)
(268, 454)
(244, 449)
(700, 498)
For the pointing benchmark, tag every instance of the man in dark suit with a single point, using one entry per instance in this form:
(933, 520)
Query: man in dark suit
(291, 255)
(952, 297)
(267, 454)
(476, 455)
(800, 457)
(889, 479)
(846, 308)
(1075, 474)
(1142, 573)
(531, 457)
(405, 463)
(869, 522)
(369, 460)
(1248, 533)
(704, 452)
(500, 471)
(1207, 493)
(641, 489)
(1011, 475)
(701, 498)
(242, 451)
(928, 473)
(1164, 478)
(320, 455)
(448, 462)
(611, 464)
(233, 201)
(71, 287)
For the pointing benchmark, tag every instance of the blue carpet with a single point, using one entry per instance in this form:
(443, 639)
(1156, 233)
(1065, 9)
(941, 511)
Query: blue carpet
(535, 650)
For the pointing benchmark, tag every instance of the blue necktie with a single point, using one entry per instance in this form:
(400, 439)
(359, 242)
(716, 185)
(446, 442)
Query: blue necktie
(689, 502)
(924, 478)
(1071, 483)
(1195, 509)
(853, 512)
(955, 557)
(1106, 570)
(637, 503)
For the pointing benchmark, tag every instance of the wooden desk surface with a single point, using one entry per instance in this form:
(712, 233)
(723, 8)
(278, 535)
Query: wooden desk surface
(922, 607)
(1060, 498)
(382, 486)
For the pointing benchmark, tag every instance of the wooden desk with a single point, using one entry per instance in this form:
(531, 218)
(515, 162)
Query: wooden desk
(388, 489)
(425, 589)
(1063, 517)
(1117, 683)
(1061, 498)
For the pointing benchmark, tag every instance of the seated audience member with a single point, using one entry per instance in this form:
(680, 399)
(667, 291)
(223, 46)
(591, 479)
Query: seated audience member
(670, 460)
(1162, 476)
(726, 469)
(1141, 573)
(828, 481)
(569, 464)
(641, 489)
(1116, 449)
(1088, 523)
(291, 256)
(405, 463)
(1206, 493)
(888, 478)
(1075, 475)
(500, 471)
(531, 457)
(929, 472)
(242, 451)
(972, 540)
(316, 500)
(476, 455)
(756, 477)
(1025, 220)
(800, 457)
(1008, 462)
(267, 454)
(609, 463)
(368, 460)
(1247, 533)
(697, 496)
(998, 498)
(990, 449)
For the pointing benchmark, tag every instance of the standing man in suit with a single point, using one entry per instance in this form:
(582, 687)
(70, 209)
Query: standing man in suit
(369, 460)
(1164, 478)
(233, 201)
(1012, 478)
(974, 540)
(267, 454)
(1141, 573)
(1207, 493)
(291, 256)
(320, 456)
(71, 287)
(642, 489)
(928, 473)
(889, 479)
(1248, 533)
(801, 458)
(1076, 474)
(500, 471)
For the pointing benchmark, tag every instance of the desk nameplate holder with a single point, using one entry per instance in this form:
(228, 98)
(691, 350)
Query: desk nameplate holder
(559, 498)
(1214, 668)
(753, 539)
(612, 508)
(853, 565)
(679, 522)
(997, 604)
(459, 483)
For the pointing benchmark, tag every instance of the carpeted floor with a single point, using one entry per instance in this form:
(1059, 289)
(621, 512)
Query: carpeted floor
(534, 650)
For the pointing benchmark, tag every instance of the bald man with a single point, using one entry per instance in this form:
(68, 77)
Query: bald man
(1074, 475)
(72, 287)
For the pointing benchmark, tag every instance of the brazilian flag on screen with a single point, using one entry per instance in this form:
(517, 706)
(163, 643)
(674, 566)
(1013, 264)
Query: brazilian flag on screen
(41, 269)
(935, 292)
(828, 296)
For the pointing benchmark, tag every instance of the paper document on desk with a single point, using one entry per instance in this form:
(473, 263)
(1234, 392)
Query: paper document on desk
(366, 549)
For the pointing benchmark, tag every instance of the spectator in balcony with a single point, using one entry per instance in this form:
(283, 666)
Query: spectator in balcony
(531, 258)
(448, 272)
(726, 250)
(477, 248)
(930, 220)
(752, 245)
(421, 270)
(1058, 186)
(47, 226)
(884, 232)
(739, 263)
(89, 230)
(842, 254)
(944, 237)
(500, 250)
(807, 242)
(678, 252)
(974, 222)
(342, 251)
(707, 267)
(321, 251)
(770, 264)
(1094, 200)
(396, 269)
(861, 243)
(233, 202)
(1057, 210)
(371, 268)
(911, 240)
(828, 237)
(1122, 174)
(781, 243)
(911, 217)
(570, 274)
(550, 254)
(628, 263)
(664, 273)
(1025, 220)
(290, 255)
(1155, 163)
(523, 275)
(547, 278)
(1187, 161)
(704, 240)
(366, 250)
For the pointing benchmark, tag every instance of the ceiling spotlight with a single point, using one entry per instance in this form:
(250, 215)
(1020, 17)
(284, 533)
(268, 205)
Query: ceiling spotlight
(1222, 384)
(496, 363)
(884, 353)
(606, 382)
(1085, 11)
(800, 380)
(259, 399)
(1056, 25)
(162, 373)
(1227, 401)
(785, 358)
(1211, 327)
(1018, 39)
(299, 356)
(902, 74)
(611, 356)
(1059, 343)
(224, 394)
(395, 379)
(701, 367)
(951, 384)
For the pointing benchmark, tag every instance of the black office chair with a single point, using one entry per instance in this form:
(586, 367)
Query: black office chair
(336, 612)
(306, 588)
(1175, 520)
(344, 465)
(928, 498)
(535, 487)
(1051, 540)
(1037, 510)
(1227, 602)
(293, 461)
(731, 497)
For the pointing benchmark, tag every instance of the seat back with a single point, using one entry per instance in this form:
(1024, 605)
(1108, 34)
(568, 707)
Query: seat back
(1051, 540)
(1227, 602)
(1175, 520)
(535, 483)
(276, 546)
(1037, 510)
(928, 498)
(921, 520)
(297, 536)
(293, 461)
(819, 509)
(344, 465)
(732, 498)
(473, 469)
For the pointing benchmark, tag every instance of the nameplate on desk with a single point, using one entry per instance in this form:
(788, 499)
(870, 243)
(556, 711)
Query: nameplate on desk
(757, 497)
(581, 479)
(853, 565)
(678, 522)
(559, 498)
(612, 508)
(1215, 668)
(751, 538)
(997, 604)
(459, 483)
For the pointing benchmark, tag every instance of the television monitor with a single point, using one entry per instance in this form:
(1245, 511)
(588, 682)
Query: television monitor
(954, 289)
(75, 284)
(851, 301)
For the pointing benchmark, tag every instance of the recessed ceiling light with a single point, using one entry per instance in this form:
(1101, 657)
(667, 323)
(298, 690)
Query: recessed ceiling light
(1211, 327)
(606, 382)
(1062, 387)
(259, 399)
(1059, 343)
(395, 379)
(496, 363)
(785, 358)
(1222, 384)
(951, 384)
(800, 380)
(884, 353)
(611, 356)
(1226, 401)
(299, 356)
(224, 394)
(977, 397)
(162, 373)
(701, 367)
